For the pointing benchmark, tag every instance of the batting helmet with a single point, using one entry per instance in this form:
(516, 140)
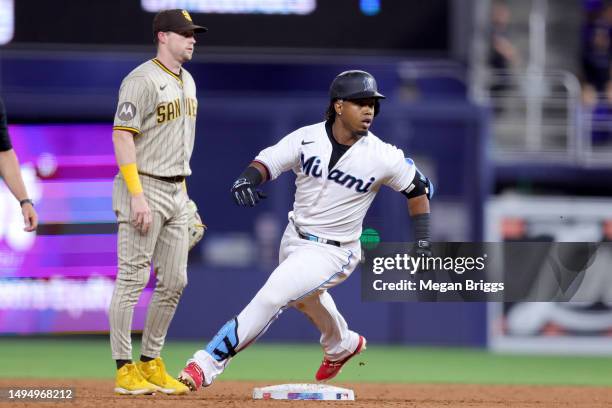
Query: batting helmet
(354, 84)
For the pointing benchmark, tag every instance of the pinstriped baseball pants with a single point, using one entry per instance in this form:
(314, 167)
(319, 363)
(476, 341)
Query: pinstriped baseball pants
(166, 245)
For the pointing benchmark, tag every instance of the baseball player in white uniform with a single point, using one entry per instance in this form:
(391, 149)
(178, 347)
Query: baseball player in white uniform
(153, 136)
(340, 166)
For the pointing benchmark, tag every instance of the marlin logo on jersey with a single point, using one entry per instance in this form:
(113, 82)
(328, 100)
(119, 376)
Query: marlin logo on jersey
(310, 167)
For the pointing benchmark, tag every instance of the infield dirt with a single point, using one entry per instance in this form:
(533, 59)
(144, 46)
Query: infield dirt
(226, 394)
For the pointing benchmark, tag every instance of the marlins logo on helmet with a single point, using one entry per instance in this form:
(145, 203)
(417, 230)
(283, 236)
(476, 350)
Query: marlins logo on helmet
(368, 84)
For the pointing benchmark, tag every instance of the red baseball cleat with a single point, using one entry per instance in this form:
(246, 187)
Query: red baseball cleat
(330, 369)
(192, 376)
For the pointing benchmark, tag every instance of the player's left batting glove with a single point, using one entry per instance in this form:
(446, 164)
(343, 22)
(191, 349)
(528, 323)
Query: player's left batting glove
(423, 248)
(245, 194)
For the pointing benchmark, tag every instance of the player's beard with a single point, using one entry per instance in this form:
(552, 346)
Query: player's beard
(186, 57)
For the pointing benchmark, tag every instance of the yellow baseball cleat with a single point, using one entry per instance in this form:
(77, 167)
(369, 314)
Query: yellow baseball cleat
(129, 381)
(154, 371)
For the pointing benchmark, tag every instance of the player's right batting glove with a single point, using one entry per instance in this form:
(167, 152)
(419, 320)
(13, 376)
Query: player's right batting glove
(244, 194)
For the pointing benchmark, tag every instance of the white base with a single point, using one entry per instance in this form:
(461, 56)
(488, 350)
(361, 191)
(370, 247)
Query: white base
(321, 392)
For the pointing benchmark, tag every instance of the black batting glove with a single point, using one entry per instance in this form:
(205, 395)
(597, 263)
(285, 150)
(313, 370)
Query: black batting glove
(423, 248)
(244, 194)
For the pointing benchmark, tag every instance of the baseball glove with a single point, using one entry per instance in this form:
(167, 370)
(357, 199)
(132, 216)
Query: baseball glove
(195, 225)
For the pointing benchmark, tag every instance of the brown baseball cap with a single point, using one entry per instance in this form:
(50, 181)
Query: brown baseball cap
(175, 20)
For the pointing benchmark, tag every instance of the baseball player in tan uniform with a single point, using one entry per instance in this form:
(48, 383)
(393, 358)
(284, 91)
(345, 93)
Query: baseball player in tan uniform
(153, 136)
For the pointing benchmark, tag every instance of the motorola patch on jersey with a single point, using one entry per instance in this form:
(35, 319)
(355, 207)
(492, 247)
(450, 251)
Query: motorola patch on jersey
(126, 111)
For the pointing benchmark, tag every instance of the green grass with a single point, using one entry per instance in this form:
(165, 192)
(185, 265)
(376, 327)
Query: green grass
(64, 357)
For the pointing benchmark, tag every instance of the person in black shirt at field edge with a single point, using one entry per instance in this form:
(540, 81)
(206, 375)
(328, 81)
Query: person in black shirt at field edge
(11, 173)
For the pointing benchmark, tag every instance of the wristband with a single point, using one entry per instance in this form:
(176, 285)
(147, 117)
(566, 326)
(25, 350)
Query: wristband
(26, 201)
(420, 226)
(132, 180)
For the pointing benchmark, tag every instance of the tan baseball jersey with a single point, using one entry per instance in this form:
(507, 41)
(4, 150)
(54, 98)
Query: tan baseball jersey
(159, 107)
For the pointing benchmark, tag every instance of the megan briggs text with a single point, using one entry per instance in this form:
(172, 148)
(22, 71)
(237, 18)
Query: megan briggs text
(429, 285)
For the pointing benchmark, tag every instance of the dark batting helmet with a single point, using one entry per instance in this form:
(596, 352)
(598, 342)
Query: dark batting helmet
(354, 84)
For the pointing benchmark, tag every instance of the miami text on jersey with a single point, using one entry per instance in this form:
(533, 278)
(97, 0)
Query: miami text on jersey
(311, 167)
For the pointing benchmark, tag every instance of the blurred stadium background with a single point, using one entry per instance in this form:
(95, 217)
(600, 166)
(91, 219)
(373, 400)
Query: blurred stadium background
(506, 106)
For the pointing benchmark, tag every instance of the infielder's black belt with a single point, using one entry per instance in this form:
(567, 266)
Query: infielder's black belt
(314, 238)
(174, 179)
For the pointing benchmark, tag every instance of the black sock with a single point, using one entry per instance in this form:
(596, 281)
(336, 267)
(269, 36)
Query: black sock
(145, 359)
(121, 363)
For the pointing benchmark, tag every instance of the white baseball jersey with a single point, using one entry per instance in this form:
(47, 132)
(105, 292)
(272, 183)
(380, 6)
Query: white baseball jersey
(332, 203)
(160, 108)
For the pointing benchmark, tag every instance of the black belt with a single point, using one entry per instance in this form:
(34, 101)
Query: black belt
(173, 179)
(314, 238)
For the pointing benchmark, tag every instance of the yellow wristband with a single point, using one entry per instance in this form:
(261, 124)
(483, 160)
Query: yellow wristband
(130, 175)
